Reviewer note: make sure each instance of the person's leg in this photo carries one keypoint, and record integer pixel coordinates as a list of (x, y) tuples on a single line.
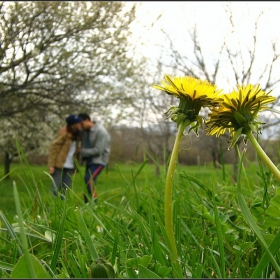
[(87, 179), (56, 183), (94, 176), (92, 172), (66, 180)]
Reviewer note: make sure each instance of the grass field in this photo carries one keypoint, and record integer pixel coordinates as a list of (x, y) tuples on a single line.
[(112, 181), (216, 236)]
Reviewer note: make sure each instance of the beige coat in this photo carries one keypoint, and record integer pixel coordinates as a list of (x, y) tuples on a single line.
[(59, 150)]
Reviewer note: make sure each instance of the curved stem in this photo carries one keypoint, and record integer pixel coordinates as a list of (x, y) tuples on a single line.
[(168, 202), (275, 171)]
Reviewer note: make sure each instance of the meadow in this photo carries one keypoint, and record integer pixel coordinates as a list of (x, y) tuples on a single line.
[(45, 237)]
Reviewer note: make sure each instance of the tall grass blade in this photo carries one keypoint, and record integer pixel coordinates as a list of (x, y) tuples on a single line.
[(86, 235), (58, 239), (220, 241), (265, 183), (274, 248), (115, 249), (158, 254), (177, 225), (198, 183), (6, 266), (12, 233), (250, 220), (135, 190), (29, 264), (23, 160), (218, 271), (153, 159), (223, 163), (6, 175), (81, 256), (49, 269), (65, 269), (74, 265), (140, 168)]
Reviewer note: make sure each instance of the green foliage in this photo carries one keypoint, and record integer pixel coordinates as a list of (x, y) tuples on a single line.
[(21, 268), (101, 269), (126, 228), (272, 218)]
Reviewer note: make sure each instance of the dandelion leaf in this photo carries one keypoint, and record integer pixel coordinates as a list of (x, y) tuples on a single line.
[(21, 268), (273, 212), (146, 273)]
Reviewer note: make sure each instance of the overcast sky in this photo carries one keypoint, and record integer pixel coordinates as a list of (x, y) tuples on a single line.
[(212, 25), (209, 16)]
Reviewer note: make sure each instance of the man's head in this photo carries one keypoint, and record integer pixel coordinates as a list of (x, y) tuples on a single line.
[(86, 122)]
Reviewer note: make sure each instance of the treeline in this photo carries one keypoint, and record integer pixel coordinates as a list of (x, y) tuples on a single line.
[(130, 144)]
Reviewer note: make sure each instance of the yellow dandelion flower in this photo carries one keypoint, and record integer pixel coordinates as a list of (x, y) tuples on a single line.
[(238, 113), (193, 94)]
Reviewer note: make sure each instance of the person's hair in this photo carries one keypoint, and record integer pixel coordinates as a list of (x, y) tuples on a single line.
[(84, 116), (75, 133)]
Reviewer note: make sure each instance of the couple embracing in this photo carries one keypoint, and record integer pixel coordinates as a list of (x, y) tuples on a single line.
[(82, 140)]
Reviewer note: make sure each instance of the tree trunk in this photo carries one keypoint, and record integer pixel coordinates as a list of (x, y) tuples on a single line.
[(216, 158), (216, 153), (157, 171), (7, 164)]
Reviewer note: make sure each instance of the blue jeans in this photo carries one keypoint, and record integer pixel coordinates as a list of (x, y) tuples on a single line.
[(92, 171), (61, 180)]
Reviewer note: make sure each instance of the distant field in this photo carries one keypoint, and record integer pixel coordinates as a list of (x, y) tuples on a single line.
[(112, 182)]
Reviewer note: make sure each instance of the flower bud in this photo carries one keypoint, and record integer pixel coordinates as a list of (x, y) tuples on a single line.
[(101, 269)]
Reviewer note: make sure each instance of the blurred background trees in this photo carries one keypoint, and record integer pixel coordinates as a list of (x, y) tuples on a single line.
[(58, 58)]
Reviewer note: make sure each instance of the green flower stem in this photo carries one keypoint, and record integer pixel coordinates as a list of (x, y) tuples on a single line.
[(275, 171), (177, 270)]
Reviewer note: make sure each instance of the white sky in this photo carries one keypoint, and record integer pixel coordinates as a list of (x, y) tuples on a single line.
[(212, 25), (177, 16)]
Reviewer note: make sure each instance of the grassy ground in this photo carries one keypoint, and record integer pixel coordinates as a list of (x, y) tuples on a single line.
[(111, 183), (126, 229)]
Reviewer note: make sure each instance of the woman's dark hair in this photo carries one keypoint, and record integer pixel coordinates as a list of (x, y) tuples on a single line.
[(75, 133)]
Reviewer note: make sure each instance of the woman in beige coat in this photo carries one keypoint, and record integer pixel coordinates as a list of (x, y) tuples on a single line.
[(63, 151)]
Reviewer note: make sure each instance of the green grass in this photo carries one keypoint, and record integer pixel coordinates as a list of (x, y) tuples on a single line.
[(112, 182), (214, 237), (30, 179)]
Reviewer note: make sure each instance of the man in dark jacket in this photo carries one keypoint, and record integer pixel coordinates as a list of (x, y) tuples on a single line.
[(95, 151)]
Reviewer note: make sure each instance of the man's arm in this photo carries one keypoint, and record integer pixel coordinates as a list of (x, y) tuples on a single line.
[(98, 148)]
